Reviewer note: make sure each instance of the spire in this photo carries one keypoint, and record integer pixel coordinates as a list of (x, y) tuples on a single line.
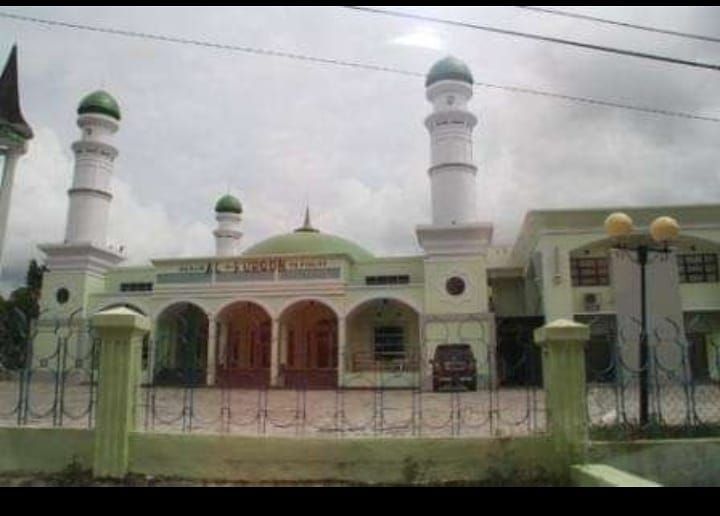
[(306, 227), (11, 118)]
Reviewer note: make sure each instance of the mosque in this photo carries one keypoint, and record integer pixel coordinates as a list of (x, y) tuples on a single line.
[(309, 308)]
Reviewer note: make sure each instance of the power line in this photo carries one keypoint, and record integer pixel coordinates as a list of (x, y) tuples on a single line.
[(351, 64), (579, 44), (619, 23)]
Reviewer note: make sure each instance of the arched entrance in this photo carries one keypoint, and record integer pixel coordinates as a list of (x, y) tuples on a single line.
[(181, 345), (383, 334), (309, 346), (245, 345)]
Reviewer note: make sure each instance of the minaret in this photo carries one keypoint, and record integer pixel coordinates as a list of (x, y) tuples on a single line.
[(452, 169), (228, 211), (14, 134), (90, 195), (77, 266)]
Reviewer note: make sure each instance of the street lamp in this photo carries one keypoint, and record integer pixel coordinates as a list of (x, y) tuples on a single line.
[(619, 226)]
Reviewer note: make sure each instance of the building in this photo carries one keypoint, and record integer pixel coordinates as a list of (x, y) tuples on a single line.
[(311, 309)]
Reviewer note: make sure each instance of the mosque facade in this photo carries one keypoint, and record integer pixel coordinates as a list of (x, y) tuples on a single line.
[(312, 309)]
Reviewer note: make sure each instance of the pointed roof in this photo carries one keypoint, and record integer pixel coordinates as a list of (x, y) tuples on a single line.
[(307, 227), (11, 117)]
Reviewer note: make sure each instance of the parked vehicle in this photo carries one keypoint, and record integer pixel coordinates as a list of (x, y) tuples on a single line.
[(454, 367)]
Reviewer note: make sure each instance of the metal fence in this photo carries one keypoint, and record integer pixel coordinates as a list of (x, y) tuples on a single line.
[(48, 383), (176, 397), (682, 392)]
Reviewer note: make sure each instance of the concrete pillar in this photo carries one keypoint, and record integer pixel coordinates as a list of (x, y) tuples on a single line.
[(563, 360), (211, 350), (223, 351), (121, 334), (556, 283), (712, 344), (342, 344), (8, 179), (275, 354)]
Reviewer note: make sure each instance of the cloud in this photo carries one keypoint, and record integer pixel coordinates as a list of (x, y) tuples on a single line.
[(278, 132)]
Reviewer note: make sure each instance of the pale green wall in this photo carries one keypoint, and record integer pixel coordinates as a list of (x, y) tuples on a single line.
[(475, 297), (375, 461), (508, 296), (35, 450)]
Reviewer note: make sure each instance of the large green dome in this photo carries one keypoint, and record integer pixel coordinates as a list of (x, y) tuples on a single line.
[(100, 102), (228, 204), (449, 69), (309, 243)]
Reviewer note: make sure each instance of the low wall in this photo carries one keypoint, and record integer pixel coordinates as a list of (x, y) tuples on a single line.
[(518, 461), (44, 450), (671, 462), (602, 475)]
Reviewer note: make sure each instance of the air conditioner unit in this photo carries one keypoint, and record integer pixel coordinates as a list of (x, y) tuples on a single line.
[(591, 302)]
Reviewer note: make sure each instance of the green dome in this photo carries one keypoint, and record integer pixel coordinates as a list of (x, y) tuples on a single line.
[(100, 102), (310, 243), (449, 69), (228, 204)]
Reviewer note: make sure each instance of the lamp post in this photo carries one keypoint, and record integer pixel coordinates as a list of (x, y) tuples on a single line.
[(619, 226)]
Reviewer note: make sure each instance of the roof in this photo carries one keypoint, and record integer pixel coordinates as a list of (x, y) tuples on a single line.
[(449, 69), (100, 102), (12, 123), (308, 240), (228, 204)]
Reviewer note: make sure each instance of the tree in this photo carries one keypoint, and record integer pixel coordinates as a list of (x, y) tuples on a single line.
[(17, 315)]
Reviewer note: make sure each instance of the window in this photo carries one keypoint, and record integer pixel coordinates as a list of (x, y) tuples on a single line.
[(135, 287), (589, 271), (698, 268), (402, 279), (389, 342)]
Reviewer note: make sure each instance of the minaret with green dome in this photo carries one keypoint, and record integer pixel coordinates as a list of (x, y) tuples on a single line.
[(228, 213), (90, 195)]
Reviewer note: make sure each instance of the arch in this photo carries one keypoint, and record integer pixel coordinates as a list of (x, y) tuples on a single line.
[(244, 344), (282, 312), (383, 334), (181, 347), (158, 311), (374, 297), (309, 344), (262, 304)]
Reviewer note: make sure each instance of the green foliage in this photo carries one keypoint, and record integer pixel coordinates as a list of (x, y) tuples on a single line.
[(17, 315)]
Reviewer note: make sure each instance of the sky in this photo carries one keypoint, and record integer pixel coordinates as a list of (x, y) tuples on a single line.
[(279, 133)]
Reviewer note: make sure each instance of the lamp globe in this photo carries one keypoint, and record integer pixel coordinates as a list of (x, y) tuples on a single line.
[(618, 225), (664, 229)]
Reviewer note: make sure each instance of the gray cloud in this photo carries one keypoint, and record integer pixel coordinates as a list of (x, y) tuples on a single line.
[(277, 132)]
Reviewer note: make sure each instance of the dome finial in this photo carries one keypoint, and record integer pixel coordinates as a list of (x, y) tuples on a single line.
[(307, 226), (449, 68)]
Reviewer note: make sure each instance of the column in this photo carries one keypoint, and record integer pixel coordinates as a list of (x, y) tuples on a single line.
[(556, 283), (8, 178), (275, 354), (342, 342), (211, 349), (121, 333), (563, 362)]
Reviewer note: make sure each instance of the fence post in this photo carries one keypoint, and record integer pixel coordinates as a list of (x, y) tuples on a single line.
[(563, 363), (121, 334)]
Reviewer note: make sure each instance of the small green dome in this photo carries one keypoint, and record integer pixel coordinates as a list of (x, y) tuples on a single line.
[(449, 69), (309, 243), (100, 102), (228, 204)]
